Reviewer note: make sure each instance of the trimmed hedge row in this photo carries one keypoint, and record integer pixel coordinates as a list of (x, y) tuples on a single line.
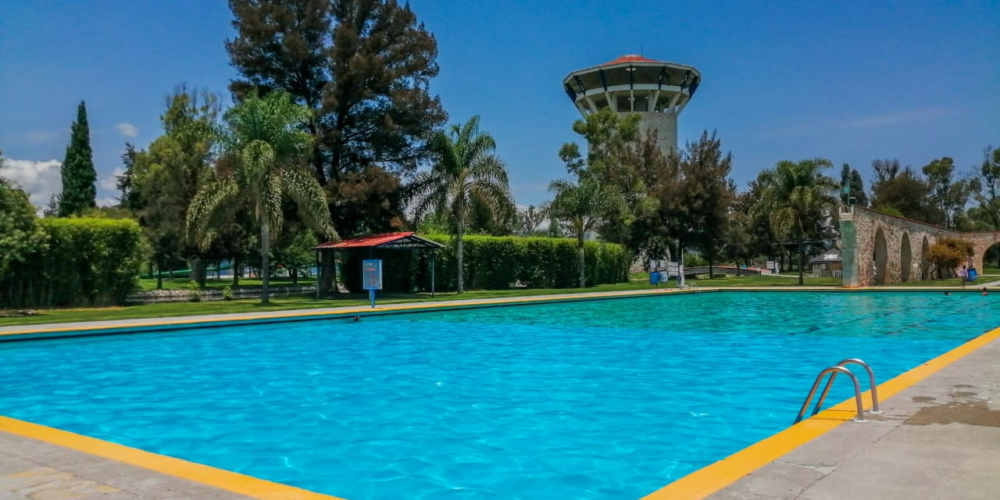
[(81, 262), (494, 263)]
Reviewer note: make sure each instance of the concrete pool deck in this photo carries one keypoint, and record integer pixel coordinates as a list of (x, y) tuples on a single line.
[(939, 437)]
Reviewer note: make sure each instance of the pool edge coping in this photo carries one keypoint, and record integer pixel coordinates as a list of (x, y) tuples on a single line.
[(174, 323), (714, 477)]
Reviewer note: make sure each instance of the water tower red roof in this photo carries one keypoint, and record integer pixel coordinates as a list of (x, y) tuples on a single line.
[(630, 58)]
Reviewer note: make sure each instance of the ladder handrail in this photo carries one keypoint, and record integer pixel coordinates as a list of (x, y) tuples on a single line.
[(819, 378), (871, 380)]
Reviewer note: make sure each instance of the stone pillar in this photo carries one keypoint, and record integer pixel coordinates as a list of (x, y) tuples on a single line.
[(849, 250)]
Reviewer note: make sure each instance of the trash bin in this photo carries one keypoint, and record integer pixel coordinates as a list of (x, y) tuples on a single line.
[(972, 275), (654, 278)]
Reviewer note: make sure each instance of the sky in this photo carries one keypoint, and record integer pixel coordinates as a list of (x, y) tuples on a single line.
[(849, 81)]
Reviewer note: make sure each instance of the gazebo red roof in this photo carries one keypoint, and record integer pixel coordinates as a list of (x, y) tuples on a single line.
[(630, 58), (386, 240)]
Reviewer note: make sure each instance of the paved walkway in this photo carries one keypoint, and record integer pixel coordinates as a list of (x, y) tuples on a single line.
[(319, 311), (939, 439), (33, 470)]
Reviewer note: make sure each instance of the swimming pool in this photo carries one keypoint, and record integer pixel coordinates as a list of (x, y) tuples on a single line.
[(597, 399)]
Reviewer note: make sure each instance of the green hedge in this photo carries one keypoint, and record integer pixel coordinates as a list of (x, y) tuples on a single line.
[(494, 263), (82, 262)]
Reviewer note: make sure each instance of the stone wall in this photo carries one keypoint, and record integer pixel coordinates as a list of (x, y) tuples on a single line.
[(154, 296), (874, 247)]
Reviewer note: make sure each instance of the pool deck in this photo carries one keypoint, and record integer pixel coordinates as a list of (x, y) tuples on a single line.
[(938, 439), (34, 470)]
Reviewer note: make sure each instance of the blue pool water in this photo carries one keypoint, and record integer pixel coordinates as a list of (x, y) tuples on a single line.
[(602, 399)]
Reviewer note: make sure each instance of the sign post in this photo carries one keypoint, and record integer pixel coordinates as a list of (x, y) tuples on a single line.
[(371, 270)]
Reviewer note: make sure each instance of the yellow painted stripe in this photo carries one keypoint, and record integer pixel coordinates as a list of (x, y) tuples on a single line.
[(226, 480), (708, 480), (303, 314)]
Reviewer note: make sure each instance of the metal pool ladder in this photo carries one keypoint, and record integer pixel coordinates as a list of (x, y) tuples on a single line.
[(834, 371)]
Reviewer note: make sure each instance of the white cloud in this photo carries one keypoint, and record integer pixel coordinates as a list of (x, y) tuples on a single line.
[(107, 202), (867, 122), (111, 182), (127, 129), (40, 179)]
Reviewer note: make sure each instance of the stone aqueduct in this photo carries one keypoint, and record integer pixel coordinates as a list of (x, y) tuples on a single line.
[(880, 249)]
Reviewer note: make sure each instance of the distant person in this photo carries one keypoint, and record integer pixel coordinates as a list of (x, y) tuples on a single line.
[(357, 319), (947, 293), (984, 291), (963, 274)]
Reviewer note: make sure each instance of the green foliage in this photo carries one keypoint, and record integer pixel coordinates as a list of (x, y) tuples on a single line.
[(262, 142), (852, 186), (947, 254), (797, 198), (902, 190), (362, 68), (581, 206), (948, 194), (227, 293), (78, 262), (194, 293), (467, 178), (19, 233), (79, 178), (984, 187), (495, 263)]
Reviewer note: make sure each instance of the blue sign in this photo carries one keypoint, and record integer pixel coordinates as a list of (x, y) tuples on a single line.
[(372, 274), (371, 277)]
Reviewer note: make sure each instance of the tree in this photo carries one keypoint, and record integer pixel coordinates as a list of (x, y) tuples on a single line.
[(263, 141), (164, 180), (530, 220), (79, 178), (581, 206), (949, 253), (796, 197), (622, 157), (129, 199), (984, 186), (19, 235), (467, 173), (852, 186), (906, 195), (362, 68), (949, 195), (885, 170)]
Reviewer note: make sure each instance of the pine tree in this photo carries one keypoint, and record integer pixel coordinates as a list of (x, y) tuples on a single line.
[(79, 178)]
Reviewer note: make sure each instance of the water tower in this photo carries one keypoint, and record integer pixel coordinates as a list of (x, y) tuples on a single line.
[(656, 90)]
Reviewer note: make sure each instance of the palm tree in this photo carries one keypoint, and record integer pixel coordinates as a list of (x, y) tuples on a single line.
[(467, 173), (581, 207), (263, 140), (798, 196)]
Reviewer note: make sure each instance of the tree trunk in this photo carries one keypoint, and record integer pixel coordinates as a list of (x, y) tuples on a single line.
[(460, 259), (265, 243), (802, 260), (711, 266), (159, 277), (236, 271), (294, 271)]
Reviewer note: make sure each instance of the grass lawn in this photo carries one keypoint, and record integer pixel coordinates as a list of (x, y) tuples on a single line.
[(185, 283), (174, 309), (950, 282)]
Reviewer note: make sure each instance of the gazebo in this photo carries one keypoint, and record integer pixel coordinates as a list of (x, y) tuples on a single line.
[(326, 252)]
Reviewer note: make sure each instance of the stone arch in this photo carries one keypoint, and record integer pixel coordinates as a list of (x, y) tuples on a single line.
[(925, 253), (991, 256), (881, 257), (905, 259)]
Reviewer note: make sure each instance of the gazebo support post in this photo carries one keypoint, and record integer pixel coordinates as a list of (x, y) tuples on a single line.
[(319, 274), (433, 277)]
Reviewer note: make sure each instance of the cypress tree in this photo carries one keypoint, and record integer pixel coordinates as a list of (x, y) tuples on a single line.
[(79, 178)]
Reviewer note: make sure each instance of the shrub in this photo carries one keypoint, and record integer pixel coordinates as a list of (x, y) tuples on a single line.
[(78, 262), (194, 293), (949, 253), (227, 293), (495, 263)]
